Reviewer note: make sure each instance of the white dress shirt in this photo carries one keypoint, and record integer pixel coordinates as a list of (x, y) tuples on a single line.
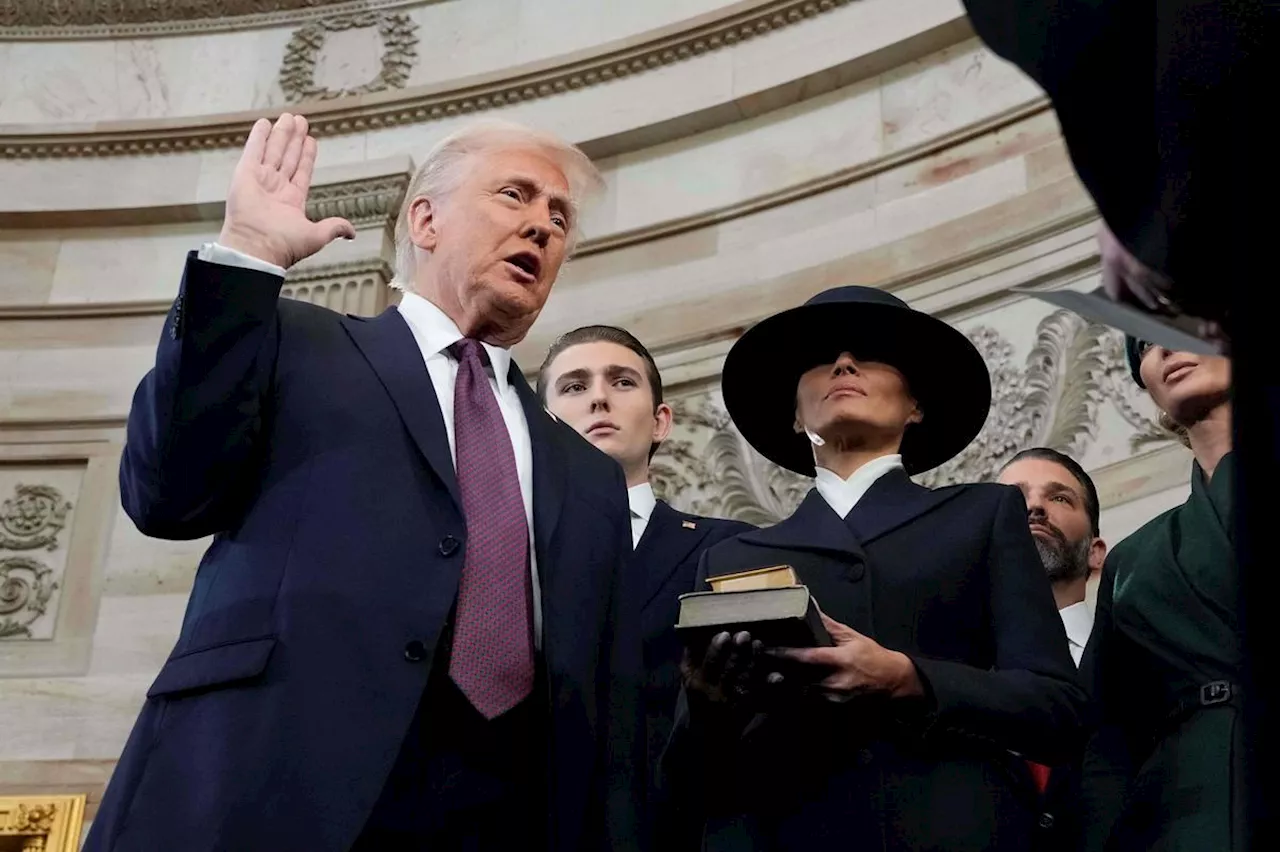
[(843, 494), (1078, 620), (640, 498), (435, 333)]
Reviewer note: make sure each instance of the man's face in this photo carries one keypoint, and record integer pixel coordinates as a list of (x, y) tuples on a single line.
[(1058, 517), (602, 389), (496, 242), (849, 394)]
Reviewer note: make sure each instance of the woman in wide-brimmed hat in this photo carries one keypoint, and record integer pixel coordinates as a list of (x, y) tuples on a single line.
[(950, 666), (1164, 662)]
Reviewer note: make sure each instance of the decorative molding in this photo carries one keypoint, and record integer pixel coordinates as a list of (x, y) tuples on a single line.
[(26, 586), (399, 52), (1053, 398), (61, 20), (357, 287), (32, 518), (344, 117), (41, 823), (367, 201)]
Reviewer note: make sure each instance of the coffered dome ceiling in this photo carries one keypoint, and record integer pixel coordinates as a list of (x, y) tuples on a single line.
[(47, 19)]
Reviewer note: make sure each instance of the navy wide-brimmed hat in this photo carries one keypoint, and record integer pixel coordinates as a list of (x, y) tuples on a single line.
[(944, 371)]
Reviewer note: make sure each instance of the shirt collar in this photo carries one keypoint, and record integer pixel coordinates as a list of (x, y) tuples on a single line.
[(1078, 621), (435, 332), (641, 499), (843, 494)]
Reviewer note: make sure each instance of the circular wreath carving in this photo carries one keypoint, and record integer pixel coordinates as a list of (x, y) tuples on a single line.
[(400, 51), (26, 586)]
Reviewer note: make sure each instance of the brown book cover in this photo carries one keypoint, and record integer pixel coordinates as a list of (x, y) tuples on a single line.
[(780, 617)]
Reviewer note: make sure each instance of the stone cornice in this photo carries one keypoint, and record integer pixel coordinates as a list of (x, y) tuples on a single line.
[(423, 104), (361, 202), (61, 20)]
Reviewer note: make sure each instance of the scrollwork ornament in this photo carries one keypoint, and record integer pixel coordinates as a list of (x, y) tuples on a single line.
[(32, 518), (400, 51), (26, 587)]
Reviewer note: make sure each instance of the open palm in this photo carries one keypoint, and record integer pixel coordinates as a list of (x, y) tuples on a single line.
[(266, 204)]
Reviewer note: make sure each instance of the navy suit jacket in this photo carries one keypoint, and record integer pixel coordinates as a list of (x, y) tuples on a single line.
[(951, 578), (312, 446), (668, 555)]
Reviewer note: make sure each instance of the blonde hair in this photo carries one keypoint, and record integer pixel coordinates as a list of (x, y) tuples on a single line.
[(444, 167)]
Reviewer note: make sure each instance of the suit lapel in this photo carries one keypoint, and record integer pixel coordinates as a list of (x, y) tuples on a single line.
[(664, 546), (389, 347), (893, 500), (813, 526), (549, 476)]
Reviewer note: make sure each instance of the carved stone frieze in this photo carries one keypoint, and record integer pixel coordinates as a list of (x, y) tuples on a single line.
[(32, 518), (362, 202), (1052, 398), (41, 823), (26, 587), (399, 52), (432, 105), (359, 287), (64, 19)]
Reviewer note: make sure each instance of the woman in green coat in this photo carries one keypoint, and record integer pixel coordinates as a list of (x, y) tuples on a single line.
[(1163, 769)]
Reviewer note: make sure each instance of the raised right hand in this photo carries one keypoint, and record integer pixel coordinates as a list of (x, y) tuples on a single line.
[(266, 204)]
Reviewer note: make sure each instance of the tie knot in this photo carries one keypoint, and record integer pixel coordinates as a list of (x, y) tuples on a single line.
[(468, 348)]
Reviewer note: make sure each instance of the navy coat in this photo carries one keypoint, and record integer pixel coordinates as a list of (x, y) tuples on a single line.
[(951, 578)]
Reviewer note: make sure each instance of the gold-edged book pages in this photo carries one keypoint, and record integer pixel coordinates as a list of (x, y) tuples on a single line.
[(773, 577), (38, 823)]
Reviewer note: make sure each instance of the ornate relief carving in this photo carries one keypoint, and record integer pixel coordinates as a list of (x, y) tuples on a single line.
[(433, 106), (399, 52), (63, 19), (26, 586), (41, 823), (362, 202), (1053, 398), (350, 288), (32, 518)]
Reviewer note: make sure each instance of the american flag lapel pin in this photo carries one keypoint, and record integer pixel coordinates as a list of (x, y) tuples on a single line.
[(689, 525)]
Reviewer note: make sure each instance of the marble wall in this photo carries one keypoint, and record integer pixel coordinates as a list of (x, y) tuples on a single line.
[(755, 153)]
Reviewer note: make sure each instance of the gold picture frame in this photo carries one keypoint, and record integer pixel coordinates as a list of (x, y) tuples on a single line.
[(41, 823)]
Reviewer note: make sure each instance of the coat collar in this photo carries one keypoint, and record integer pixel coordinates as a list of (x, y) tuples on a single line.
[(667, 542), (892, 501), (389, 347)]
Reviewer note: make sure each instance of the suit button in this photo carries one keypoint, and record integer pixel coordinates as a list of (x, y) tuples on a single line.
[(448, 545), (415, 651), (1046, 820)]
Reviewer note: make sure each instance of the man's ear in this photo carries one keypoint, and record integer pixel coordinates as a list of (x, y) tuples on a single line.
[(422, 224), (916, 416), (663, 420), (1097, 555)]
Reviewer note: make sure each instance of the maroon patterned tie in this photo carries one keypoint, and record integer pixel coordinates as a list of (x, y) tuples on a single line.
[(492, 658)]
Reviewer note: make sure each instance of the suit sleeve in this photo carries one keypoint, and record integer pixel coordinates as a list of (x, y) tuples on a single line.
[(1029, 702), (1108, 763), (193, 436)]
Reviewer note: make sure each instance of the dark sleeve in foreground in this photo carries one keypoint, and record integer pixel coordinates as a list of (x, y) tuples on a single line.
[(1158, 108)]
